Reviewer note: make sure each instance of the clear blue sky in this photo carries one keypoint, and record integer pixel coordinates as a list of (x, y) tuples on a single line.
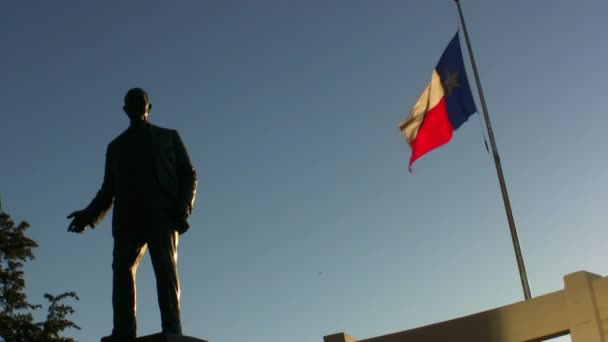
[(307, 221)]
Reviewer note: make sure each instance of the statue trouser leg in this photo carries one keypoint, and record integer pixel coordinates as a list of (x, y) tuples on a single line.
[(162, 243), (128, 251)]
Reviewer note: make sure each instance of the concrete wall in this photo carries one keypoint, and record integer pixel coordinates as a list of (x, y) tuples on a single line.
[(580, 309)]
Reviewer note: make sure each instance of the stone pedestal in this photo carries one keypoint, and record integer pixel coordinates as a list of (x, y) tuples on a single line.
[(166, 337)]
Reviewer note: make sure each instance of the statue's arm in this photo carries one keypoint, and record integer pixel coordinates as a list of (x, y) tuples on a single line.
[(102, 202), (186, 177)]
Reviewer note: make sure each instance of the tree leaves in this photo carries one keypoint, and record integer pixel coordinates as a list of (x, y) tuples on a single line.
[(16, 319)]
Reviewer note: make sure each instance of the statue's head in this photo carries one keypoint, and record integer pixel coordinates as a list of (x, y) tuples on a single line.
[(137, 106)]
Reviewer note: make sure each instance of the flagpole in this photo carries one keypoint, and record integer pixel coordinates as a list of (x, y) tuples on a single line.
[(501, 178)]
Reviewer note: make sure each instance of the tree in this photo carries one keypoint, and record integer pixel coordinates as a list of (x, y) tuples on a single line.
[(16, 319)]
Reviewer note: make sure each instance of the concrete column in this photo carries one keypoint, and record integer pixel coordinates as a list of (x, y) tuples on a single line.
[(341, 337), (583, 314)]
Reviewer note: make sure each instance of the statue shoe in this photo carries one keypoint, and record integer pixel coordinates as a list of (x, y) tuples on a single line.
[(114, 338)]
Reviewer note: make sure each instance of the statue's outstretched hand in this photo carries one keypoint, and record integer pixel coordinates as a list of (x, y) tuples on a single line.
[(80, 222)]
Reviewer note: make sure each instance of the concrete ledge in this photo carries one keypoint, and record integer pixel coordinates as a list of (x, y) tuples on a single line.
[(579, 309), (340, 337)]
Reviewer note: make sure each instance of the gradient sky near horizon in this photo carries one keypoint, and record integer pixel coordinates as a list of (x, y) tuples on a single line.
[(307, 221)]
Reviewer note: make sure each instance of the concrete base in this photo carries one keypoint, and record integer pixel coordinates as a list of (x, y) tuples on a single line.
[(165, 337)]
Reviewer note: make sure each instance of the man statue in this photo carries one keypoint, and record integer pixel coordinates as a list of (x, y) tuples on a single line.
[(151, 183)]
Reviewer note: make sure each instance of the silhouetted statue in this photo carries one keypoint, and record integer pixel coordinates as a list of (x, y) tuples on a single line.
[(152, 184)]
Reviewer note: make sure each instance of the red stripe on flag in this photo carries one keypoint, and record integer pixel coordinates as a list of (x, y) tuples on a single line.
[(434, 131)]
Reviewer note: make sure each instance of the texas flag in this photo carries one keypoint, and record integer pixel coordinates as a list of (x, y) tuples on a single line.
[(444, 105)]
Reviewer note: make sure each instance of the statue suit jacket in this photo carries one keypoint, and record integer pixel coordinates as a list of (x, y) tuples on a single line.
[(174, 173)]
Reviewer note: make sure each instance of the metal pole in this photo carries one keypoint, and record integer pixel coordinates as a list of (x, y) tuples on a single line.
[(501, 178)]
